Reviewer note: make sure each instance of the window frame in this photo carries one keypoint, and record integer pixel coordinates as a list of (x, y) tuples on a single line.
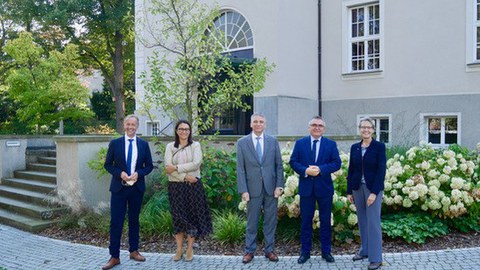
[(225, 43), (473, 41), (347, 39), (377, 118), (149, 127), (442, 115)]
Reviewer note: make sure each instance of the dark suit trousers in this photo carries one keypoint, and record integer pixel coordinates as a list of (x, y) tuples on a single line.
[(307, 210), (127, 198)]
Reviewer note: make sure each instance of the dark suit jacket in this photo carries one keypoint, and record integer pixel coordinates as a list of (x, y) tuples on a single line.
[(251, 172), (372, 166), (328, 161), (115, 163)]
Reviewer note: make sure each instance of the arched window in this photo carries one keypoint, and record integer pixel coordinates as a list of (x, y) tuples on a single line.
[(238, 36), (237, 44)]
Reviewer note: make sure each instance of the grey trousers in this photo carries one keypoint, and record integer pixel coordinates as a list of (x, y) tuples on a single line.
[(269, 204), (369, 223)]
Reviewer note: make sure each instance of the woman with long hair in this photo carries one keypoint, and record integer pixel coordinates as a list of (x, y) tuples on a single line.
[(188, 203)]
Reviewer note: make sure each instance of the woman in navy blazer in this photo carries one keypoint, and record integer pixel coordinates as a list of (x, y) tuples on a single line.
[(365, 184)]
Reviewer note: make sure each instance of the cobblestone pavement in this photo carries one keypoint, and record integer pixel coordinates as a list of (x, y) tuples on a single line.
[(22, 250)]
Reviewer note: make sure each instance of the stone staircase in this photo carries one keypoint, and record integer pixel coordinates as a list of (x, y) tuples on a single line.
[(26, 199)]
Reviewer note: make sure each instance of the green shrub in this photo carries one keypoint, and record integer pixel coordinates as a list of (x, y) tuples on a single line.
[(288, 229), (97, 164), (412, 227), (155, 218), (98, 222), (220, 178), (228, 227)]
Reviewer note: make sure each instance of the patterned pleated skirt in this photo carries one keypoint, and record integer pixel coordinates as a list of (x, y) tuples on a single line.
[(189, 209)]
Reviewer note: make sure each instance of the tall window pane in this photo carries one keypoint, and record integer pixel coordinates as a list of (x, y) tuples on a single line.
[(434, 130)]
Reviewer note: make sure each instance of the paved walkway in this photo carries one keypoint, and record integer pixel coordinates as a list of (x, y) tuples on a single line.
[(22, 250)]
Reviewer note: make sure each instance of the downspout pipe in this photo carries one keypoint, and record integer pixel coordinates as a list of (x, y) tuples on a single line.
[(320, 57)]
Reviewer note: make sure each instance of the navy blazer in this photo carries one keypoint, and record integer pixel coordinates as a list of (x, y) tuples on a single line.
[(115, 163), (372, 166), (328, 161)]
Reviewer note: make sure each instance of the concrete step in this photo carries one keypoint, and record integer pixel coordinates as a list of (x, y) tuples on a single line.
[(39, 167), (26, 195), (47, 160), (52, 153), (34, 175), (31, 210), (32, 185), (24, 222)]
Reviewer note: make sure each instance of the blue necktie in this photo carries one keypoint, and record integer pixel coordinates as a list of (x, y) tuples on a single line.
[(258, 149), (313, 153), (129, 157)]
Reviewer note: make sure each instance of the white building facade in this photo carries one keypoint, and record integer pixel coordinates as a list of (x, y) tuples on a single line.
[(413, 66)]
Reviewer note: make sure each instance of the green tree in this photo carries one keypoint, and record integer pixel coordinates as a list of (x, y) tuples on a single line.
[(190, 76), (104, 32), (46, 88)]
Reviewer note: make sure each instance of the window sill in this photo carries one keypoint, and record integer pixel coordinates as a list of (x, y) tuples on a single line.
[(363, 74)]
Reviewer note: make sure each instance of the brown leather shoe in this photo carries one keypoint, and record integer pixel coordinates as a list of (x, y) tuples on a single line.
[(248, 257), (135, 255), (271, 256), (111, 263)]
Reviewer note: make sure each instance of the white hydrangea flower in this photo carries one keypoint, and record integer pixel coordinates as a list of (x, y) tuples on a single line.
[(297, 199), (398, 185), (432, 173), (448, 154), (393, 193), (456, 195), (435, 183), (242, 206), (434, 205), (389, 200), (446, 201), (287, 191), (457, 183), (452, 162), (353, 208), (425, 165), (459, 156), (444, 178), (398, 199), (463, 167), (409, 183), (407, 203), (440, 161), (388, 186), (433, 191), (424, 207), (422, 190), (352, 219), (413, 195), (447, 170)]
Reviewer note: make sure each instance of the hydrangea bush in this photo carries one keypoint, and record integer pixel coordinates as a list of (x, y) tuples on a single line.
[(442, 182)]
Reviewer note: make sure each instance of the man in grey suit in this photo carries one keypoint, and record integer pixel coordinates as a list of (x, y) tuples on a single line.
[(260, 181)]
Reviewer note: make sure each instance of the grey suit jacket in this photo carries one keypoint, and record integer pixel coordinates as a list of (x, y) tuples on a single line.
[(252, 173)]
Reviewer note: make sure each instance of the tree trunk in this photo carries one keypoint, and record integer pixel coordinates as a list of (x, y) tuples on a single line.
[(117, 88)]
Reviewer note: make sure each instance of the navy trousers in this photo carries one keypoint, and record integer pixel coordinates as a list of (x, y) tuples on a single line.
[(307, 210)]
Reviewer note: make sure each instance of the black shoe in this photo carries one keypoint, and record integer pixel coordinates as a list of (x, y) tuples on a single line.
[(328, 257), (303, 258), (374, 265), (359, 257)]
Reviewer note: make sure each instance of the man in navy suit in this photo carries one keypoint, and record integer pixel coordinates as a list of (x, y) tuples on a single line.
[(128, 160), (314, 158)]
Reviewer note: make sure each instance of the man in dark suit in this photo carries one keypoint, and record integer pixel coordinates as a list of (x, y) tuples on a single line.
[(128, 160), (314, 158), (260, 181)]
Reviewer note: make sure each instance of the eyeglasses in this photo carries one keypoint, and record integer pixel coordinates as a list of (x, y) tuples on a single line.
[(365, 127), (317, 126), (183, 129)]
